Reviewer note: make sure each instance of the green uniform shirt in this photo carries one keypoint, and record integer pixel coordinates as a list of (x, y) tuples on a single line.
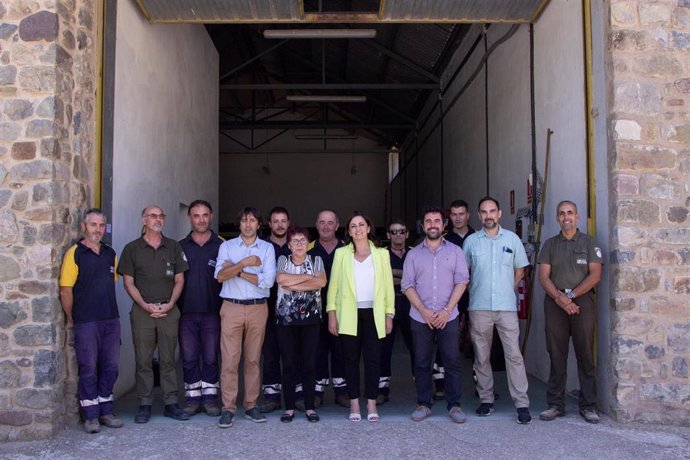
[(153, 270), (570, 259)]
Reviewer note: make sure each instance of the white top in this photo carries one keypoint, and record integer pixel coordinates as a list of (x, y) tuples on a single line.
[(364, 282)]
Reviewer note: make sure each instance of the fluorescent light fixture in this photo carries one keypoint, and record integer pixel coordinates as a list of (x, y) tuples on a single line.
[(319, 33), (324, 98), (316, 137)]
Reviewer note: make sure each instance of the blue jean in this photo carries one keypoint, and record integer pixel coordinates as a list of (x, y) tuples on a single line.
[(448, 342), (97, 346), (199, 335)]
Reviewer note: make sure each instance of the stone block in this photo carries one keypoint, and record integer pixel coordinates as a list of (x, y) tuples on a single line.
[(80, 169), (627, 346), (624, 14), (8, 227), (41, 128), (675, 392), (8, 75), (622, 257), (20, 200), (636, 280), (45, 368), (684, 255), (637, 98), (46, 108), (5, 196), (43, 309), (9, 131), (18, 109), (29, 235), (38, 78), (680, 134), (679, 338), (3, 173), (33, 335), (681, 285), (637, 212), (50, 148), (625, 393), (32, 170), (32, 287), (634, 326), (682, 85), (625, 184), (10, 375), (653, 13), (680, 40), (5, 401), (15, 417), (628, 130), (680, 367), (627, 368), (39, 255), (6, 30), (24, 362), (68, 40), (24, 151), (673, 235), (40, 26), (658, 66), (629, 40), (47, 192), (676, 214), (51, 233), (630, 236), (11, 313), (9, 269), (36, 399), (624, 304), (4, 344), (654, 351)]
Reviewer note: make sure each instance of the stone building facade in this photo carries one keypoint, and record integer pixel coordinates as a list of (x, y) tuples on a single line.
[(47, 123), (48, 83)]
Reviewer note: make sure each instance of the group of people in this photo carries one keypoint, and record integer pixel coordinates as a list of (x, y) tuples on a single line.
[(309, 312)]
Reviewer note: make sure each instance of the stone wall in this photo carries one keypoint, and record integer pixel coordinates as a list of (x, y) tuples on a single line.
[(650, 172), (47, 120)]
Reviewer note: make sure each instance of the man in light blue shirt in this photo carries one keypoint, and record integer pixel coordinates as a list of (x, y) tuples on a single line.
[(496, 258), (246, 266)]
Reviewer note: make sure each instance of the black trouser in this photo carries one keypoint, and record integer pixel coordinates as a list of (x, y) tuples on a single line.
[(270, 358), (298, 345), (329, 347), (367, 345), (559, 328), (400, 323)]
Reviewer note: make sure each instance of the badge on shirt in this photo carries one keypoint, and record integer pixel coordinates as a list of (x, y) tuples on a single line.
[(597, 251), (211, 263), (581, 261), (169, 270), (184, 257), (112, 270)]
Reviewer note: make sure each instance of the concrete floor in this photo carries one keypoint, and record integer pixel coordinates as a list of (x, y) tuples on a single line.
[(395, 436)]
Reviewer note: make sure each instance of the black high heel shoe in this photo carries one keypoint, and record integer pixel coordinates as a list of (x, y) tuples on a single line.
[(287, 418)]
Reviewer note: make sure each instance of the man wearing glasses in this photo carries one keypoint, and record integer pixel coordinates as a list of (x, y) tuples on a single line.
[(153, 267)]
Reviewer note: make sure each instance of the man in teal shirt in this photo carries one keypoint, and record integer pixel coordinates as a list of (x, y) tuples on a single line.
[(496, 258)]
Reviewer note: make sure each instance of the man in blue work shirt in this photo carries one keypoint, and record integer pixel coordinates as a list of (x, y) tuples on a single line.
[(199, 328), (496, 258)]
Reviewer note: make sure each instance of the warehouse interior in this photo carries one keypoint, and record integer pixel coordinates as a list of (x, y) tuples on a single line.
[(382, 106)]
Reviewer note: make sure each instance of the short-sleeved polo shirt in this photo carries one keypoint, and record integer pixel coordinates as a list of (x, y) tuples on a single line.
[(315, 249), (201, 293), (153, 270), (92, 278), (492, 263), (570, 258)]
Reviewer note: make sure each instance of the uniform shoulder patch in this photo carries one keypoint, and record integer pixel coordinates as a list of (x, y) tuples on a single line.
[(597, 251)]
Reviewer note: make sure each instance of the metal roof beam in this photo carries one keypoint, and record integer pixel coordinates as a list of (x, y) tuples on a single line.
[(296, 124), (328, 86)]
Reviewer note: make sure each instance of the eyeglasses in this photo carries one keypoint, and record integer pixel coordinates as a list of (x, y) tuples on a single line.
[(300, 242), (402, 231), (155, 216)]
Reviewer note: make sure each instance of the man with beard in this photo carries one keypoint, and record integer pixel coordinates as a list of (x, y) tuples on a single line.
[(246, 266), (569, 269), (497, 259), (153, 269), (278, 222), (434, 278), (199, 305), (327, 225), (87, 295)]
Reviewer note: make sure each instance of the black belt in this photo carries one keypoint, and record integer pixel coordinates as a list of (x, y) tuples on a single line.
[(247, 301)]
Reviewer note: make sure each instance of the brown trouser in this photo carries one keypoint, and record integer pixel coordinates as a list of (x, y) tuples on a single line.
[(242, 329)]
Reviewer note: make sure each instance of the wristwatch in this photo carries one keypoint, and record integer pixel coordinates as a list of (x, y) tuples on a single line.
[(570, 295)]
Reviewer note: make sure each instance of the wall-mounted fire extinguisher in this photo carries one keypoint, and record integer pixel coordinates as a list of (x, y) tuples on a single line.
[(523, 294)]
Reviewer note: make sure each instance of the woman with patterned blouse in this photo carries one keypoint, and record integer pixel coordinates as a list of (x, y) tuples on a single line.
[(300, 278)]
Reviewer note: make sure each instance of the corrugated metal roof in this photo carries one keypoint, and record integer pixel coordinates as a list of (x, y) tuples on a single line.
[(221, 11), (460, 10)]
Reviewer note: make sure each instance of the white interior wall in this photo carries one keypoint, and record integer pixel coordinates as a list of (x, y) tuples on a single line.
[(165, 135), (559, 102)]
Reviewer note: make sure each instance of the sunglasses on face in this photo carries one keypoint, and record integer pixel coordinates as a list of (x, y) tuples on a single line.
[(397, 232)]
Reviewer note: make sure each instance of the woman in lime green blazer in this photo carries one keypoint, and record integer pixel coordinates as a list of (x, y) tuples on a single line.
[(361, 307)]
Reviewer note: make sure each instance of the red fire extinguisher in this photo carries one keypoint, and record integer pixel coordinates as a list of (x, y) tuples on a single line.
[(523, 294)]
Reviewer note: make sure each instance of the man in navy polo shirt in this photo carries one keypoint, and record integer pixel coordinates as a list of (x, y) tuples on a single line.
[(199, 328), (87, 295)]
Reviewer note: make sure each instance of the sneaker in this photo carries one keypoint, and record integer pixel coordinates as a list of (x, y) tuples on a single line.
[(484, 409), (269, 405), (590, 415), (381, 399), (254, 415), (143, 414), (299, 405), (523, 417), (92, 426), (192, 409), (175, 412), (226, 419), (420, 413), (110, 421), (342, 401), (551, 413), (456, 414), (211, 409)]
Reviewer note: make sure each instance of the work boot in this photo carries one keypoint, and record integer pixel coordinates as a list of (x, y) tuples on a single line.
[(175, 412), (143, 415), (342, 400), (110, 421), (551, 413), (212, 409), (92, 426), (192, 409)]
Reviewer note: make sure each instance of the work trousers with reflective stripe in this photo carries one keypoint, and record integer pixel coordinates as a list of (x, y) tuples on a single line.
[(97, 348), (270, 363), (199, 335), (330, 365), (401, 323)]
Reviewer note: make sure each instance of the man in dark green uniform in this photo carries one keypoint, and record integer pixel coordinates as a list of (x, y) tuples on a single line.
[(570, 267), (153, 269)]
